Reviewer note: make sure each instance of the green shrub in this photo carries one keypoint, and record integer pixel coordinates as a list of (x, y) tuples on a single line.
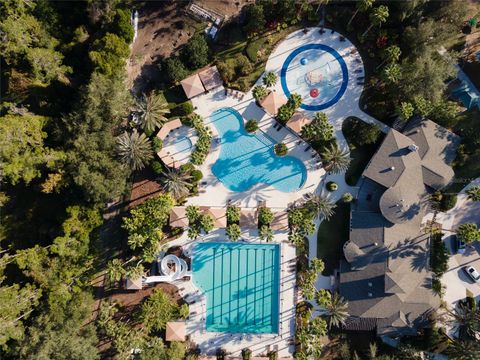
[(285, 112), (195, 53), (233, 214), (281, 149), (227, 69), (265, 217), (448, 201), (259, 92), (243, 65), (253, 48), (347, 197), (187, 168), (251, 125), (438, 255), (109, 54), (176, 232), (157, 167), (157, 144), (122, 26), (174, 69), (246, 354), (187, 108), (332, 186), (359, 132), (272, 355), (196, 175)]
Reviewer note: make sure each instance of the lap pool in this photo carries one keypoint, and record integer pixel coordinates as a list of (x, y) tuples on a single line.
[(248, 159), (241, 284)]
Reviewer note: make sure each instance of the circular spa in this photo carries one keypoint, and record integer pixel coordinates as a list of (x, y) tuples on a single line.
[(318, 73), (178, 143)]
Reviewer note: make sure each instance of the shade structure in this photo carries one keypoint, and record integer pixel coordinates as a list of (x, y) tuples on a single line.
[(248, 219), (178, 217), (210, 78), (298, 121), (272, 102), (192, 86), (167, 127), (280, 221), (134, 284), (219, 216), (175, 331)]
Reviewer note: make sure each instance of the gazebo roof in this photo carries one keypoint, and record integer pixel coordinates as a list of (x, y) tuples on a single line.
[(210, 78), (248, 219), (280, 220), (219, 216), (272, 102), (167, 127), (298, 121), (133, 284), (178, 217), (175, 331), (192, 86)]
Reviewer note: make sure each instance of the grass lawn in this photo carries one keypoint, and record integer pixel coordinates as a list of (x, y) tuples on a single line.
[(360, 157), (332, 234), (232, 43)]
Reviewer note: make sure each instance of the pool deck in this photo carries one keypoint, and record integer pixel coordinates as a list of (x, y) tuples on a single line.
[(234, 343), (215, 194)]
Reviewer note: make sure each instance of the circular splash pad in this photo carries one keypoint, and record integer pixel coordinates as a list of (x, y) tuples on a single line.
[(303, 61), (325, 71), (314, 92)]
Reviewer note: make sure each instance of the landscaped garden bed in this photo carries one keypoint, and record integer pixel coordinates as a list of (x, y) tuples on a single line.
[(331, 236)]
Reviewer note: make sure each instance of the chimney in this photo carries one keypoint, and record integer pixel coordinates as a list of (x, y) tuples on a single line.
[(413, 148)]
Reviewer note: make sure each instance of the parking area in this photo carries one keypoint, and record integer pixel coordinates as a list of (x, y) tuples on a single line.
[(456, 281)]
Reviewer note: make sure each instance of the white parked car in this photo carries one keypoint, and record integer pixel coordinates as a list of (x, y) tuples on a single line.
[(473, 273)]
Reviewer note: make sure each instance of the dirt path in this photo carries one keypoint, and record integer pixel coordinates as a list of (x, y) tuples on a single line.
[(163, 27)]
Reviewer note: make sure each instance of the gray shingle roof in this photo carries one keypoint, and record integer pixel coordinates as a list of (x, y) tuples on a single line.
[(386, 275)]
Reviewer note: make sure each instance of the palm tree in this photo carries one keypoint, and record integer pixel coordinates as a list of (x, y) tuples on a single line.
[(337, 159), (392, 73), (115, 270), (135, 271), (474, 193), (336, 310), (363, 6), (377, 17), (175, 181), (134, 149), (153, 109), (320, 205), (266, 233), (270, 79), (391, 55)]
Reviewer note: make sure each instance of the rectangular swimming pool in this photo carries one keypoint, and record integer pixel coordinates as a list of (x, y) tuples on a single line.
[(241, 283)]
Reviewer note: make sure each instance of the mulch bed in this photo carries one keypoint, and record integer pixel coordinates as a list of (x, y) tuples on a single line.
[(144, 187)]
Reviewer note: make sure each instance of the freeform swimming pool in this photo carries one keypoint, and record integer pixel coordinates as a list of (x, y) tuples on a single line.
[(318, 73), (241, 284), (248, 159)]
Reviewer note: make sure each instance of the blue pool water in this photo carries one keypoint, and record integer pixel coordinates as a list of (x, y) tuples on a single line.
[(248, 159), (241, 283), (315, 67), (183, 145)]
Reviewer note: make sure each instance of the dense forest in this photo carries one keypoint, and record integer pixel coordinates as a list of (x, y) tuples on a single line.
[(63, 102)]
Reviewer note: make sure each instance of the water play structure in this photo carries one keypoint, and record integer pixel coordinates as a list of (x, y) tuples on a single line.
[(172, 268)]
